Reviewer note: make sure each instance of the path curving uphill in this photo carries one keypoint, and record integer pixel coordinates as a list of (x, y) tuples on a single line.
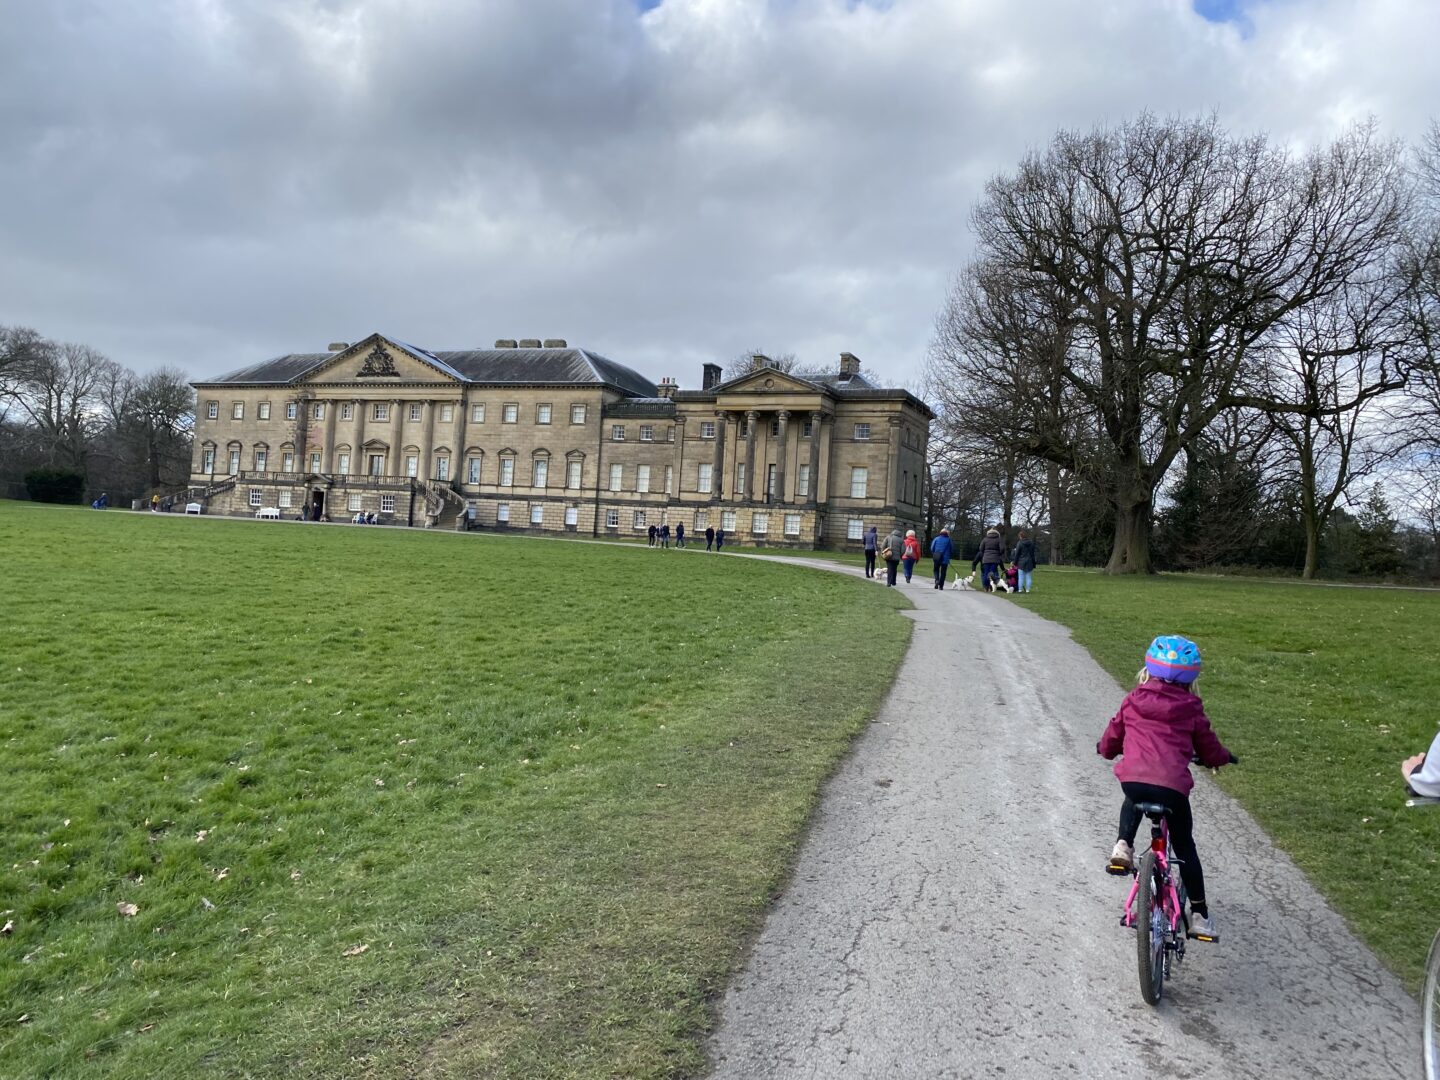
[(949, 915)]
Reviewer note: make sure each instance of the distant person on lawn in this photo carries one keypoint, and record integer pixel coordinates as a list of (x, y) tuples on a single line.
[(910, 555), (991, 557), (680, 534), (1024, 560), (719, 539), (709, 537)]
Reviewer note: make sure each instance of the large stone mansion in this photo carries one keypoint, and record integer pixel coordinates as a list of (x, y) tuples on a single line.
[(548, 437)]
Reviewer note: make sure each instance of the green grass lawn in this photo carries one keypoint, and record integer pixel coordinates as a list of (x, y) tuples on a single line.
[(1322, 692), (393, 803)]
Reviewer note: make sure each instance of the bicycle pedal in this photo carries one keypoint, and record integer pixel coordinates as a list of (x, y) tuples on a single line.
[(1118, 871)]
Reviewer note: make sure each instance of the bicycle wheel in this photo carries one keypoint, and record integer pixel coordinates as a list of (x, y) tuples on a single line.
[(1430, 1012), (1150, 930)]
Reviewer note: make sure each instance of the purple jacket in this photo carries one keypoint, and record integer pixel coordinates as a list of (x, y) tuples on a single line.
[(1158, 727)]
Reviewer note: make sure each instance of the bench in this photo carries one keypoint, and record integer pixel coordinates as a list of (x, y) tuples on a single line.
[(194, 508), (270, 512)]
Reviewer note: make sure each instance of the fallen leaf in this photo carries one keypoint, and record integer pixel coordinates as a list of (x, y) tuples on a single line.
[(24, 1018), (206, 904), (200, 836), (221, 875), (355, 950), (126, 909), (9, 927)]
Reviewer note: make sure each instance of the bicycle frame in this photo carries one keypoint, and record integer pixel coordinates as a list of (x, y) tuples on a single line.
[(1170, 895)]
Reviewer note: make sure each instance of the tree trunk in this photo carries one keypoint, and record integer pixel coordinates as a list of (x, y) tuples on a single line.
[(1131, 553), (1309, 509), (1056, 498)]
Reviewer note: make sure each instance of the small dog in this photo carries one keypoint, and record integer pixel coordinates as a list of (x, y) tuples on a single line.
[(964, 584), (1000, 585)]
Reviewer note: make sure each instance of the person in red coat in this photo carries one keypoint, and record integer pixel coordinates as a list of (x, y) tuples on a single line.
[(1161, 725)]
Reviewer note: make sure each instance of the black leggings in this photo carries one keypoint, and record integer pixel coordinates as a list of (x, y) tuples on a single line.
[(1182, 831), (869, 562)]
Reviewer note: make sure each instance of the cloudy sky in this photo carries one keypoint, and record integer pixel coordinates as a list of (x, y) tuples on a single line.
[(207, 183)]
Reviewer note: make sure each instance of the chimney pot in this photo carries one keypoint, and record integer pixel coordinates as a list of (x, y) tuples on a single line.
[(667, 387)]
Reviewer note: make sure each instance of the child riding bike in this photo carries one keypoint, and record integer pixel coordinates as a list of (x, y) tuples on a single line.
[(1160, 727)]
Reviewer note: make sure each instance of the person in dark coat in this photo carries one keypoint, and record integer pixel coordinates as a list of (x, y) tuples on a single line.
[(651, 533), (709, 537), (680, 534), (871, 544), (665, 536), (719, 539), (1024, 559), (940, 551), (991, 557)]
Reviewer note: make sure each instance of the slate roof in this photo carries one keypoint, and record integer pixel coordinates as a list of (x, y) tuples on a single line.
[(527, 367)]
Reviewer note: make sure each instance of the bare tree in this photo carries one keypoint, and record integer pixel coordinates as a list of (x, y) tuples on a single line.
[(163, 408), (1163, 255), (58, 389)]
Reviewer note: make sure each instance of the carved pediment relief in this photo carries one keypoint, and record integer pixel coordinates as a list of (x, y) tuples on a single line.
[(377, 362), (768, 381)]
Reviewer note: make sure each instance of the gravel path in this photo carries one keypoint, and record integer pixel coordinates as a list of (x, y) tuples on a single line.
[(949, 915)]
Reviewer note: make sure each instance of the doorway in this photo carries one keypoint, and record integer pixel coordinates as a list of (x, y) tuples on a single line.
[(317, 505)]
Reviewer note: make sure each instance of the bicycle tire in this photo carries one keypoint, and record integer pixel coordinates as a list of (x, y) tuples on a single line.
[(1150, 930), (1430, 1012)]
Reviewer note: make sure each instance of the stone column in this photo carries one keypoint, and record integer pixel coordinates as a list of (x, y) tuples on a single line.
[(822, 477), (427, 416), (458, 454), (397, 436), (332, 407), (717, 479), (750, 425), (302, 435), (357, 444), (892, 469), (784, 417), (678, 459), (816, 420)]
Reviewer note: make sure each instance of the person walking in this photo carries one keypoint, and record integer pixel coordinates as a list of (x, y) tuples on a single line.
[(1024, 559), (651, 534), (720, 538), (910, 554), (709, 537), (940, 551), (894, 546), (871, 544), (991, 557), (665, 537), (679, 534)]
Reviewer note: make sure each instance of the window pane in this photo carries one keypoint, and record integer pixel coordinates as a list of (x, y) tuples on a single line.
[(255, 497), (727, 520), (647, 432), (577, 414), (537, 514), (612, 519), (855, 529), (803, 484), (290, 410), (760, 523), (447, 414), (472, 470), (792, 524), (511, 413), (702, 476), (415, 412), (572, 474), (212, 410), (639, 519), (442, 468), (707, 429), (642, 478), (315, 461), (237, 410), (617, 432), (507, 471), (387, 504), (616, 476), (477, 414), (862, 431), (542, 473), (502, 512), (352, 503), (344, 464), (542, 414), (859, 482), (412, 464), (282, 499)]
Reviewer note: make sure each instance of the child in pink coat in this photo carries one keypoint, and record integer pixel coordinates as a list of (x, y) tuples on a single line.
[(1161, 725)]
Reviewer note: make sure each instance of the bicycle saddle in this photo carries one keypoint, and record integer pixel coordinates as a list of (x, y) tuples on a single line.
[(1153, 809)]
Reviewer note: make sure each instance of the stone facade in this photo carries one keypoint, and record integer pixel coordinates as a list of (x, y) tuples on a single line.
[(558, 439)]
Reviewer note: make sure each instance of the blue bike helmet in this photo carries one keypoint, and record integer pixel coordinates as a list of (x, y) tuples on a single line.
[(1173, 657)]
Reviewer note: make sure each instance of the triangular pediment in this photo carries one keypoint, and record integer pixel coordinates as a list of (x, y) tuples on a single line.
[(379, 361), (768, 381)]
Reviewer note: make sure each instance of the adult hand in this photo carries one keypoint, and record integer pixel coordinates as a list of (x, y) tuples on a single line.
[(1410, 764)]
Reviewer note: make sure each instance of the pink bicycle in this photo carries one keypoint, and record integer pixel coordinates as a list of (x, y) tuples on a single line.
[(1156, 907)]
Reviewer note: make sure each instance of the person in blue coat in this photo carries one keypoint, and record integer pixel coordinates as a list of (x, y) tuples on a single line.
[(940, 551)]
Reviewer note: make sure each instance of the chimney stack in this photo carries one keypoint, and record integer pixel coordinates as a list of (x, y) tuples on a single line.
[(337, 346), (505, 343), (760, 360), (711, 377), (555, 343), (529, 343), (667, 387), (849, 366)]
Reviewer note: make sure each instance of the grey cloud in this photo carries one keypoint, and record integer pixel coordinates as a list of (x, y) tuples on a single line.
[(206, 182)]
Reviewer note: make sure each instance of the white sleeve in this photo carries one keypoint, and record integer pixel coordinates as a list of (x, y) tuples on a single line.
[(1426, 779)]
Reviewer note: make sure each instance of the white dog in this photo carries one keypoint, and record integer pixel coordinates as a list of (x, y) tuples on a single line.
[(964, 583)]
